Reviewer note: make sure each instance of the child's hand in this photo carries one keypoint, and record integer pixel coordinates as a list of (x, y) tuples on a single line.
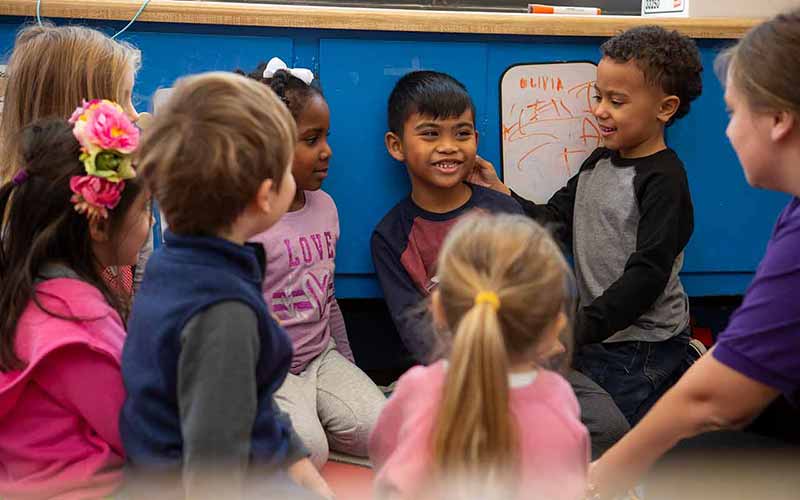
[(306, 475), (483, 174)]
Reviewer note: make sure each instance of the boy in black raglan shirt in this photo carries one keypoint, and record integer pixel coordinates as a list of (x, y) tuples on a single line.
[(627, 217)]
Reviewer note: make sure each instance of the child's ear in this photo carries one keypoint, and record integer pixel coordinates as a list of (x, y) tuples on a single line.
[(668, 107), (783, 123), (395, 146), (477, 136), (264, 197), (99, 230)]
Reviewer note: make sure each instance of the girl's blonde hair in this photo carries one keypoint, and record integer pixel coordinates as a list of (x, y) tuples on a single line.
[(763, 66), (516, 259), (51, 70)]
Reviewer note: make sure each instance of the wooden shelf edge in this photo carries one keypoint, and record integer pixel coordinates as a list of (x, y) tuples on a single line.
[(367, 19)]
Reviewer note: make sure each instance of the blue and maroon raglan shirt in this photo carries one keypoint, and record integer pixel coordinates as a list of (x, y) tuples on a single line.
[(405, 246)]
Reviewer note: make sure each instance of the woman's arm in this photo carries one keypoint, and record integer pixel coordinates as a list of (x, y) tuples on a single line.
[(710, 396)]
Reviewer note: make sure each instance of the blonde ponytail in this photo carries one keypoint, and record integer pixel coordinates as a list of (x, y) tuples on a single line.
[(474, 429)]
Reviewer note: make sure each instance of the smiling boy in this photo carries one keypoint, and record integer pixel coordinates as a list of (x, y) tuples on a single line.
[(432, 131)]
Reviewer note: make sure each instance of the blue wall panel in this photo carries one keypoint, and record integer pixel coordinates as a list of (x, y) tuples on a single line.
[(732, 220), (168, 56), (358, 70)]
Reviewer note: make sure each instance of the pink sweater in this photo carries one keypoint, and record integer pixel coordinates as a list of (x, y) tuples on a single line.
[(298, 286), (59, 436), (554, 444)]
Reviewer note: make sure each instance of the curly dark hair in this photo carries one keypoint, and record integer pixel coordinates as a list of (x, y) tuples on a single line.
[(294, 92), (668, 59)]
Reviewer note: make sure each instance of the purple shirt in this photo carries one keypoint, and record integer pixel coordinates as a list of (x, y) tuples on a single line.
[(298, 285), (762, 340)]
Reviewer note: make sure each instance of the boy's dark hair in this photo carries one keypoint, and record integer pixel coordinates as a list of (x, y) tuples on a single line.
[(204, 157), (42, 226), (668, 59), (293, 91), (428, 93)]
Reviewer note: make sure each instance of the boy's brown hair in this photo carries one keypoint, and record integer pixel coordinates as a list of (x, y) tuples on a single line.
[(207, 152)]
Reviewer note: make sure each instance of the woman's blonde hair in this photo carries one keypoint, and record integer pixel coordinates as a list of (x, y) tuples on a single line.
[(765, 65), (51, 70), (515, 259)]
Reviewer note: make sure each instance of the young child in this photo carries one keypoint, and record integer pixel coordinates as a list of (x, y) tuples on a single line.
[(329, 399), (51, 70), (203, 356), (489, 422), (756, 360), (72, 208), (627, 216), (431, 130)]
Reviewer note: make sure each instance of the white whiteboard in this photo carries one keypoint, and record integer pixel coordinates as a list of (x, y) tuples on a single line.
[(547, 125)]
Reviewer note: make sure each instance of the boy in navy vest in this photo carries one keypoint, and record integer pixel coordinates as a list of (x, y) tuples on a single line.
[(203, 356)]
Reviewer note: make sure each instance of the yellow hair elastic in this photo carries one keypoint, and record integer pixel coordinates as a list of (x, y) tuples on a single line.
[(490, 298)]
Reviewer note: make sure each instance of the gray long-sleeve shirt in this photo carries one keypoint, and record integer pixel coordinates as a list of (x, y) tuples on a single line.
[(217, 398)]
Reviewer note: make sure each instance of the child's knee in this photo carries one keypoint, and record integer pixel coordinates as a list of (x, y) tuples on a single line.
[(349, 423)]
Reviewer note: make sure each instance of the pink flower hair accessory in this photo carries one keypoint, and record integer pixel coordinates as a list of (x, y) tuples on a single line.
[(107, 138), (95, 196)]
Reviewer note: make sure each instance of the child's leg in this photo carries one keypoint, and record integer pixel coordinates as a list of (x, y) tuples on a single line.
[(348, 402), (298, 398), (633, 373), (666, 364), (599, 413)]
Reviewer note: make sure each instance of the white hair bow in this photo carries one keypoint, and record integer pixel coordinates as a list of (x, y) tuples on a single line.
[(276, 64)]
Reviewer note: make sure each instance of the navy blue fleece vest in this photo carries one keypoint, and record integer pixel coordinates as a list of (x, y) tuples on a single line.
[(185, 276)]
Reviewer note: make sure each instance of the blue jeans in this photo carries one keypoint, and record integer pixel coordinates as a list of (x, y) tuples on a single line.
[(635, 373)]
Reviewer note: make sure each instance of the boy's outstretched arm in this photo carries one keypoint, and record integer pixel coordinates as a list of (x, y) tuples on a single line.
[(557, 213), (404, 301), (665, 226)]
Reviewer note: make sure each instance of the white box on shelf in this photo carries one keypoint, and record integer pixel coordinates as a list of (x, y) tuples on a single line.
[(672, 8), (716, 8)]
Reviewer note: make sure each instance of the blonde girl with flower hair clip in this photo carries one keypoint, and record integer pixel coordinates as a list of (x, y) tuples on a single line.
[(332, 403), (490, 421), (51, 70), (72, 210)]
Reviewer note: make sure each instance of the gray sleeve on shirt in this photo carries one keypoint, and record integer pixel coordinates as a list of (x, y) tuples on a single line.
[(217, 397)]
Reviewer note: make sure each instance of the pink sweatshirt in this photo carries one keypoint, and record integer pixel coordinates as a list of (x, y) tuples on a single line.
[(298, 287), (554, 444), (59, 436)]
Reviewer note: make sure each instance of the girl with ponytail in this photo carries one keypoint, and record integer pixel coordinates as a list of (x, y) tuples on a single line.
[(490, 420)]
